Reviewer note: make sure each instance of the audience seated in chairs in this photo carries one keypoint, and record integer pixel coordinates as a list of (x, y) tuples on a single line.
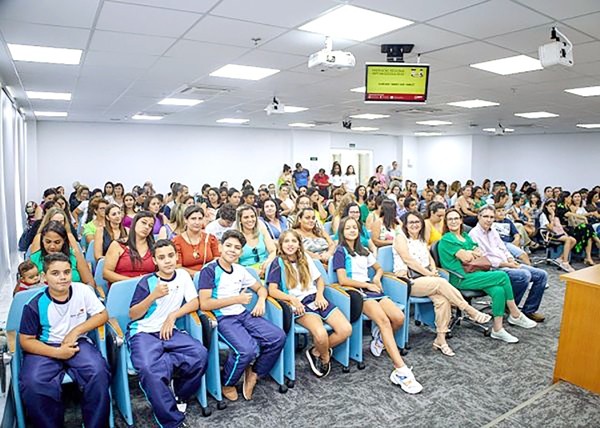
[(455, 248), (195, 247), (550, 224), (259, 249), (412, 260), (134, 257), (316, 242), (111, 230)]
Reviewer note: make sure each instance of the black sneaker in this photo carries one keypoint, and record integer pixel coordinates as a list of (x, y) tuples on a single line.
[(324, 368), (314, 362)]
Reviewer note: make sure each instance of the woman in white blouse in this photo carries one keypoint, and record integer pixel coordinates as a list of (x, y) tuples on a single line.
[(412, 259), (350, 179)]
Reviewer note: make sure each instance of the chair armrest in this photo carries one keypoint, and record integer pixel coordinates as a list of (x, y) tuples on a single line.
[(395, 288), (11, 341), (100, 292), (456, 274), (193, 325), (274, 312), (338, 297), (114, 328)]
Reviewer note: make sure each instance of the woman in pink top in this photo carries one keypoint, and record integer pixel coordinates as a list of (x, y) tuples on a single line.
[(381, 177)]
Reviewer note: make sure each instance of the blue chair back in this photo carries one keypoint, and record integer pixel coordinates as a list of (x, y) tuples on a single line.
[(385, 258), (99, 278), (118, 301), (90, 257), (327, 228), (323, 272), (19, 301)]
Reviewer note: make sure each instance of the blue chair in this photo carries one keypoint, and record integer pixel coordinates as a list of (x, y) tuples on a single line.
[(83, 244), (214, 380), (341, 353), (90, 257), (393, 288), (117, 304), (423, 306), (101, 283), (327, 228), (13, 323)]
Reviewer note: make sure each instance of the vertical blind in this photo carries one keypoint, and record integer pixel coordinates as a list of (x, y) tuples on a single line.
[(12, 182)]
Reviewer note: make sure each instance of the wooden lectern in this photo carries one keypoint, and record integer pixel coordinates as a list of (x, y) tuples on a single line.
[(578, 357)]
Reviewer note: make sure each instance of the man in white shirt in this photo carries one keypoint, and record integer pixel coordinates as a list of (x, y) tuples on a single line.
[(224, 222)]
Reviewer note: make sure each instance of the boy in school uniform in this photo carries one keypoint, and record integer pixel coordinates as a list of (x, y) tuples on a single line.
[(158, 349), (222, 290), (53, 337)]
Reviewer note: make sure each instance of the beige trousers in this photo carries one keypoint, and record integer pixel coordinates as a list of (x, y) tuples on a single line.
[(443, 295)]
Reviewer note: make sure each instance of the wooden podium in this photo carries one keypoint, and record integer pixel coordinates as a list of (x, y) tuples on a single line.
[(578, 356)]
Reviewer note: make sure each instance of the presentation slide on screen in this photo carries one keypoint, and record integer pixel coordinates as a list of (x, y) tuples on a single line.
[(396, 82)]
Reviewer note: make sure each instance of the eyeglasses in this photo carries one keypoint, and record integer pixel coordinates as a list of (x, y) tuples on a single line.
[(414, 222), (256, 256), (453, 219)]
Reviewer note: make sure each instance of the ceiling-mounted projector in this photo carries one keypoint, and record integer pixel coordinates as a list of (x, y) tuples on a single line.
[(558, 52), (329, 59)]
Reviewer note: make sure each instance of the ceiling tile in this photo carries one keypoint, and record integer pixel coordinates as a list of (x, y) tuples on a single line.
[(415, 11), (130, 18), (110, 41), (287, 14), (55, 12), (589, 24), (303, 43), (44, 35), (529, 40), (261, 58), (503, 16), (562, 9), (184, 5), (469, 53), (232, 32), (119, 59), (424, 37)]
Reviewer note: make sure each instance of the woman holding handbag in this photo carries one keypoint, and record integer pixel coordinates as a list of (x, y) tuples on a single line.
[(456, 249), (413, 260)]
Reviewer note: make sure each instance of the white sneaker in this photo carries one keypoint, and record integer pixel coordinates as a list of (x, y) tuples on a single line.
[(377, 346), (522, 321), (181, 405), (404, 377), (504, 336)]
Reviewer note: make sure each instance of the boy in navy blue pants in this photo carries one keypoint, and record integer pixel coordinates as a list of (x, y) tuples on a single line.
[(158, 349), (248, 334), (53, 337)]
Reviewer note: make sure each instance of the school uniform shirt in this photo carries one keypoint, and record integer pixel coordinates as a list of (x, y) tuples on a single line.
[(215, 228), (226, 284), (357, 267), (180, 286), (50, 320), (276, 275), (506, 229)]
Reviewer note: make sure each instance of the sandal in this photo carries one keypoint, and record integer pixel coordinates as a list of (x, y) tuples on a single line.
[(444, 349), (480, 317), (589, 262)]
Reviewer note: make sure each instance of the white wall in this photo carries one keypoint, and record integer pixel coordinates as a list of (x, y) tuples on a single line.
[(134, 153), (410, 163), (444, 158), (569, 160), (480, 158)]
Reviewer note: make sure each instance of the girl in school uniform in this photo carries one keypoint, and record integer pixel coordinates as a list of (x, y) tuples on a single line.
[(351, 262), (294, 278)]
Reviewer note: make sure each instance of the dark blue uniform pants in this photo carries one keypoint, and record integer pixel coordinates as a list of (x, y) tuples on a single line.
[(156, 360), (41, 387)]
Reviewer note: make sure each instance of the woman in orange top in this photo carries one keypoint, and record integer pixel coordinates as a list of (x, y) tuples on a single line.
[(195, 247)]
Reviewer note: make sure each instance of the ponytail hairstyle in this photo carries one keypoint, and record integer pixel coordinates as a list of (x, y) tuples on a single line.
[(301, 260)]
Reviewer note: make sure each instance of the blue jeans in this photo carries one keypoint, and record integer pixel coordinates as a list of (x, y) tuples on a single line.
[(520, 279)]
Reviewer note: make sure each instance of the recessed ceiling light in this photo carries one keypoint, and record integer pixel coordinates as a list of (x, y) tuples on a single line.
[(361, 89), (354, 23), (233, 121), (427, 134), (473, 104), (246, 72), (588, 125), (434, 122), (50, 113), (510, 65), (364, 128), (590, 91), (36, 95), (369, 116), (146, 117), (294, 109), (494, 129), (45, 54), (536, 115), (186, 102), (301, 125)]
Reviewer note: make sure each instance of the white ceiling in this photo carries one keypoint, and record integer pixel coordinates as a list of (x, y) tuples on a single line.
[(137, 52)]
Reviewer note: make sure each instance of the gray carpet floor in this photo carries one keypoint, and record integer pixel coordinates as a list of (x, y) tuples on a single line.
[(485, 380)]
